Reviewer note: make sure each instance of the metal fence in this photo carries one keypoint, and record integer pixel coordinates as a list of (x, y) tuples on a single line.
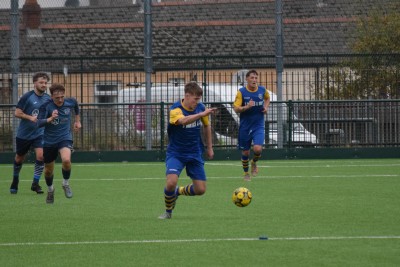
[(122, 127), (305, 77), (329, 100)]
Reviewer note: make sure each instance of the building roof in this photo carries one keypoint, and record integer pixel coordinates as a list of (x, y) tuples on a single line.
[(193, 28)]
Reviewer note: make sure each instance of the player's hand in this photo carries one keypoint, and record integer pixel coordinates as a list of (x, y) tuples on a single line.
[(77, 126), (210, 153), (209, 110), (54, 115), (264, 110), (33, 119)]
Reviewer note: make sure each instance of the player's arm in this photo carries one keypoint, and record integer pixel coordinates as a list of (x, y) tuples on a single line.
[(77, 123), (177, 117), (19, 113), (237, 104), (43, 118), (208, 136), (267, 101)]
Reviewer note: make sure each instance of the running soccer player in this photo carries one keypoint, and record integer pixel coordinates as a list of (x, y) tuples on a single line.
[(185, 147), (55, 116), (28, 134), (251, 103)]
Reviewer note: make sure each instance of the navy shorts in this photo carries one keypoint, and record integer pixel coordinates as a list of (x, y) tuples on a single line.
[(245, 139), (50, 154), (194, 167), (23, 145)]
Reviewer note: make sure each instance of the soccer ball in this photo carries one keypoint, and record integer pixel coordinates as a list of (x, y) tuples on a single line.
[(241, 197)]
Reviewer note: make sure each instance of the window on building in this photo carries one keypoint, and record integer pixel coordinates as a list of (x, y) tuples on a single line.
[(106, 92)]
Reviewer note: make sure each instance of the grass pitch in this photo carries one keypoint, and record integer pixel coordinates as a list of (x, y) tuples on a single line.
[(314, 213)]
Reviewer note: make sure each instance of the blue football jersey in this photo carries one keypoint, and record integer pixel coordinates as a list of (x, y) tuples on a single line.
[(252, 118), (185, 139), (59, 129), (30, 104)]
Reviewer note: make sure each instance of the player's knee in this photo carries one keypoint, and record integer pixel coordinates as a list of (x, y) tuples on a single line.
[(66, 164), (257, 150), (19, 159), (48, 172), (172, 181), (199, 190), (246, 153)]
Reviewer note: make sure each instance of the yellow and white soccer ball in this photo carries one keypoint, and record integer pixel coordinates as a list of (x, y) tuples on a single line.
[(241, 197)]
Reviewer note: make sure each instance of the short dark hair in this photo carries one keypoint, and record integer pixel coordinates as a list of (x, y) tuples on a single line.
[(193, 88), (56, 87), (38, 75), (250, 72)]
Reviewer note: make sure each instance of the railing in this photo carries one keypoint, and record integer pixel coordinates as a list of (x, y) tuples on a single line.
[(305, 77), (122, 127)]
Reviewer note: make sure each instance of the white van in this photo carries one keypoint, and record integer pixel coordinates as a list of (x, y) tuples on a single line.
[(225, 121)]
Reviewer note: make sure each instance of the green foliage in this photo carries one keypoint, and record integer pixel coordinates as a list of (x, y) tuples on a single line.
[(379, 33), (375, 71)]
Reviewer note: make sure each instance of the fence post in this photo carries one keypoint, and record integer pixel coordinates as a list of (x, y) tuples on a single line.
[(327, 77), (279, 65), (148, 66), (162, 126), (82, 99), (205, 79), (290, 121), (14, 61)]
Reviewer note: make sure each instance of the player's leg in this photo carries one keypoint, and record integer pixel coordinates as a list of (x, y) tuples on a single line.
[(245, 164), (50, 155), (258, 140), (39, 165), (173, 169), (65, 154), (200, 187), (244, 144), (195, 170), (22, 148)]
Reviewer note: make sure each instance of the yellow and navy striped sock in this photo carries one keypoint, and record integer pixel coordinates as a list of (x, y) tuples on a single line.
[(256, 157), (187, 190), (170, 200), (245, 164)]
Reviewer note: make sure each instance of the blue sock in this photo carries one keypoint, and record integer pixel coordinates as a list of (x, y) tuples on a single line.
[(39, 166), (17, 169)]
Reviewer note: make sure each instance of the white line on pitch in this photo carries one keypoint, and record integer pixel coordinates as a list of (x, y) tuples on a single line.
[(330, 164), (198, 240), (222, 177)]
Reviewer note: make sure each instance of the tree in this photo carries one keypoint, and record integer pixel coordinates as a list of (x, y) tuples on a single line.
[(375, 71)]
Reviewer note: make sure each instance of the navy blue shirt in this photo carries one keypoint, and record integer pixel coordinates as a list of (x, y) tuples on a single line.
[(30, 104), (59, 129)]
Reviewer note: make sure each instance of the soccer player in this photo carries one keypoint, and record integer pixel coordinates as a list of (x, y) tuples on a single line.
[(185, 147), (28, 134), (55, 116), (251, 103)]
